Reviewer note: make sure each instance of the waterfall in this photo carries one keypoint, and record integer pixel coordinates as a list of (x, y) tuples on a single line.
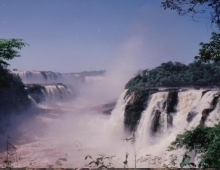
[(49, 92), (188, 103), (191, 103), (214, 116), (157, 105), (39, 76), (57, 92), (190, 106), (154, 134), (49, 77), (117, 116)]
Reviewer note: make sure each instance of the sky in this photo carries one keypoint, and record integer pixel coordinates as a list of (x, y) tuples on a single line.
[(84, 35)]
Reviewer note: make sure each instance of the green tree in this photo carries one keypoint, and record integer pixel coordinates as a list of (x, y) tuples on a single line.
[(13, 99), (177, 75), (193, 7), (7, 49), (205, 141), (210, 51), (7, 52)]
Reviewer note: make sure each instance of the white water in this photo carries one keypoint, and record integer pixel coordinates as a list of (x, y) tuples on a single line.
[(143, 131), (116, 122), (189, 101), (73, 129), (49, 77), (79, 130), (57, 92)]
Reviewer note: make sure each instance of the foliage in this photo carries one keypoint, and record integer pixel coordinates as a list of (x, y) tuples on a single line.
[(186, 161), (210, 51), (37, 92), (15, 97), (8, 52), (177, 75), (126, 160), (102, 161), (183, 7), (205, 141), (7, 49), (59, 162), (3, 83), (172, 162), (151, 160)]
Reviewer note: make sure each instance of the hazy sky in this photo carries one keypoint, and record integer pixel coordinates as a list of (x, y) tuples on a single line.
[(78, 35)]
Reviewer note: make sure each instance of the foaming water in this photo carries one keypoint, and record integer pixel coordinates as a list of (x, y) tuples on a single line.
[(75, 129), (190, 101), (143, 131)]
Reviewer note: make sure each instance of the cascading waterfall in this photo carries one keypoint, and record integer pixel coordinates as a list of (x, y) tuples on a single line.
[(156, 106), (39, 76), (214, 116), (117, 115), (96, 133), (187, 103), (57, 92), (49, 77), (49, 93), (153, 134)]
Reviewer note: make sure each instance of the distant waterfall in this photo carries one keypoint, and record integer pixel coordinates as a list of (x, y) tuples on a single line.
[(49, 77), (57, 92), (49, 93)]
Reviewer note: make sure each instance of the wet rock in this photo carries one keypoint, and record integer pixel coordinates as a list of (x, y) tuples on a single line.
[(172, 101), (190, 116), (215, 100), (169, 120), (135, 106), (205, 114), (156, 121), (204, 92)]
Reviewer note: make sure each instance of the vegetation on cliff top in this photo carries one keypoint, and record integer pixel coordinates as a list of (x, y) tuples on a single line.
[(176, 74)]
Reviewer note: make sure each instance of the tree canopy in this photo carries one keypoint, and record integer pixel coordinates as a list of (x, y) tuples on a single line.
[(177, 75), (210, 52), (194, 7), (205, 141), (8, 49), (7, 52)]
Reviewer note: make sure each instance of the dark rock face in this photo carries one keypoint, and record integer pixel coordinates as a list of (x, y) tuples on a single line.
[(172, 101), (169, 107), (135, 106), (204, 92), (190, 116), (215, 100), (36, 92), (156, 121), (205, 114), (138, 103)]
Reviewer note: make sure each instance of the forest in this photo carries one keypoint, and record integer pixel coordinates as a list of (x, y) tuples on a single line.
[(176, 74)]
